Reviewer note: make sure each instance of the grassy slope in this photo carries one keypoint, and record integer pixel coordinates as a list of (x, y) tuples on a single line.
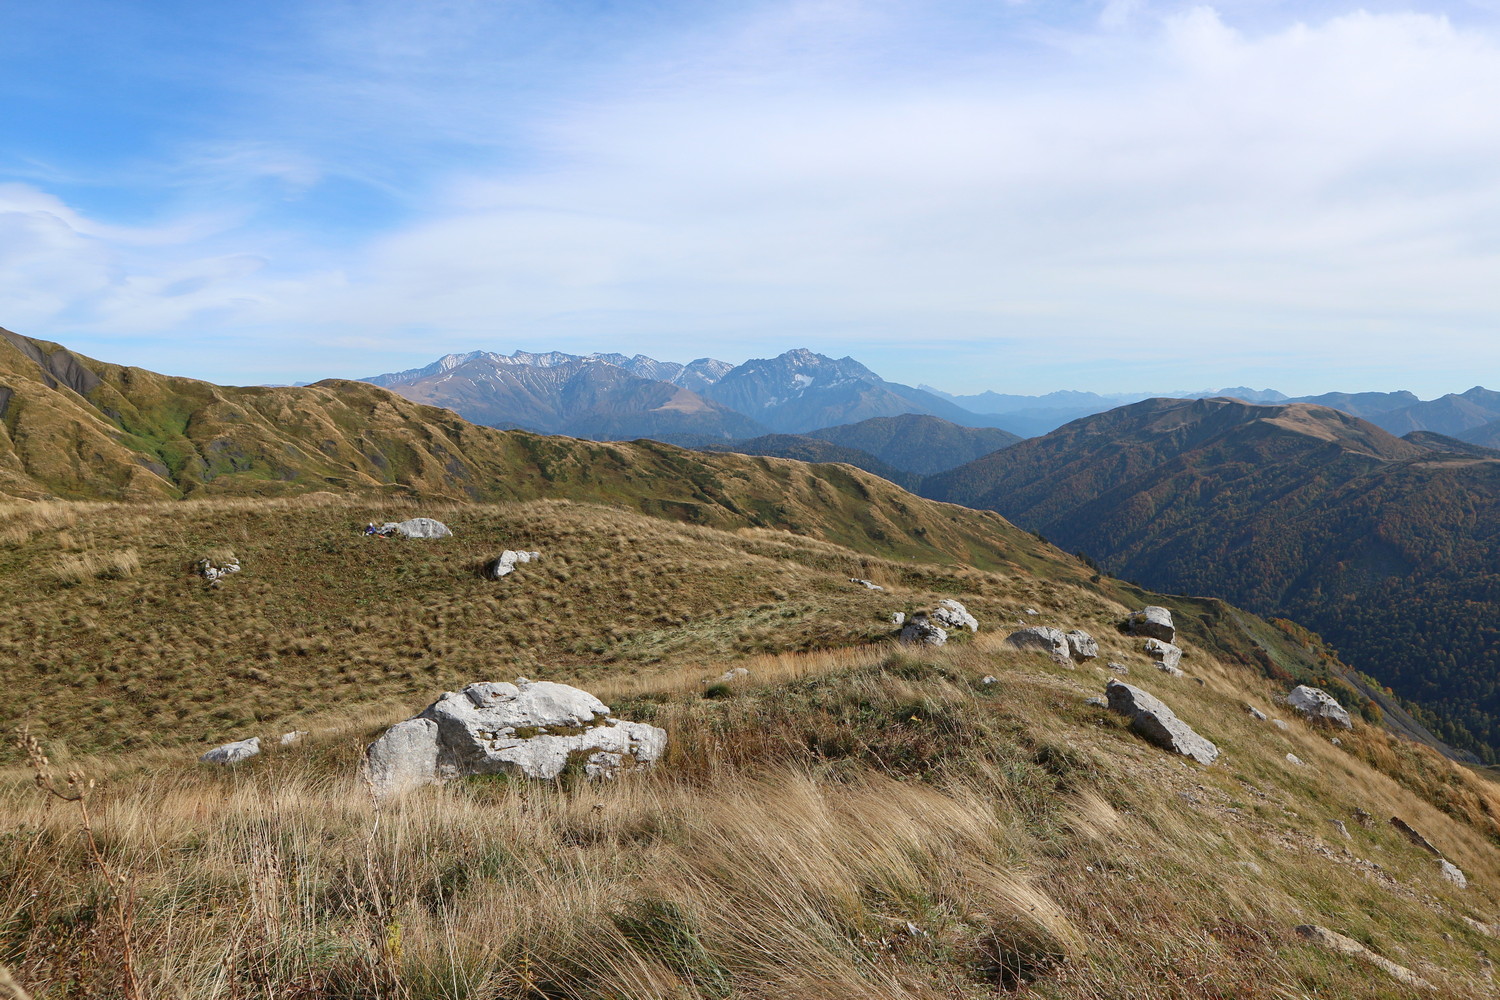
[(848, 821), (1388, 550), (138, 435)]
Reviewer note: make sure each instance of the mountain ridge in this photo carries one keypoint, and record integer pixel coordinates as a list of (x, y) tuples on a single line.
[(1387, 547)]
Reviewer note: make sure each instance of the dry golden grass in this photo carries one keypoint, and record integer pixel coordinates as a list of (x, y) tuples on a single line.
[(843, 823), (846, 820)]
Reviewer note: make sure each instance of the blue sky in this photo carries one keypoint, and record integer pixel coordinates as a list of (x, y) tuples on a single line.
[(975, 195)]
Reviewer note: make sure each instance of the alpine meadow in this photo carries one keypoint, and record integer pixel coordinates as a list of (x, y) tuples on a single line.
[(771, 500)]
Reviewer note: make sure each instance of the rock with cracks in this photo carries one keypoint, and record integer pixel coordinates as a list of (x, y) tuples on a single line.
[(417, 527), (531, 729), (507, 561), (1166, 655), (1152, 621), (951, 614), (1044, 637), (1318, 705), (1157, 723), (1081, 645), (233, 753), (921, 631)]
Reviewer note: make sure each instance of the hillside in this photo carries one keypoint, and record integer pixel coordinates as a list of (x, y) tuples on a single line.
[(82, 429), (806, 448), (918, 443), (1386, 548), (845, 819)]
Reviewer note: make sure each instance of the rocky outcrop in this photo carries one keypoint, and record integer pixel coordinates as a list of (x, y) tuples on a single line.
[(951, 614), (233, 753), (1158, 724), (532, 729), (866, 583), (1081, 646), (417, 527), (1152, 621), (1044, 637), (1415, 837), (1318, 706), (506, 562), (1337, 943), (921, 631), (214, 569), (1453, 874), (1166, 655)]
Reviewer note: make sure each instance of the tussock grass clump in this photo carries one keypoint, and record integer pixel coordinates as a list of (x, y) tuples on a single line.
[(76, 567)]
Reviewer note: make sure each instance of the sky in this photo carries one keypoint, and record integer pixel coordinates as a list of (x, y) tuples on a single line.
[(973, 194)]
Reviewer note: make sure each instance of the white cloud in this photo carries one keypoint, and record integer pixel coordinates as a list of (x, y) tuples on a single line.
[(1269, 197)]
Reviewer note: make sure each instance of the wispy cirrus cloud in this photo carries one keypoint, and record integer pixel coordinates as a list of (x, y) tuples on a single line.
[(1119, 197)]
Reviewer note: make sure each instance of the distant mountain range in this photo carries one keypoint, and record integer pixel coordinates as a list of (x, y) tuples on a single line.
[(1472, 416), (614, 397), (1390, 547)]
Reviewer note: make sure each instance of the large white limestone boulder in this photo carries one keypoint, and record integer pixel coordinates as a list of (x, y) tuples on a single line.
[(1044, 637), (951, 614), (1152, 719), (417, 527), (533, 729), (508, 560), (1152, 621), (1318, 705), (233, 753)]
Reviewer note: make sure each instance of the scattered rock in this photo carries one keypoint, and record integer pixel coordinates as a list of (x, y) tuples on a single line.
[(1339, 824), (1096, 701), (951, 614), (918, 631), (1119, 668), (1363, 818), (733, 674), (1488, 930), (898, 618), (1347, 946), (293, 737), (988, 679), (866, 584), (507, 561), (215, 569), (1317, 704), (1279, 724), (233, 753), (417, 527), (1045, 638), (1256, 713), (1081, 645), (529, 728), (1415, 837), (1292, 758), (1032, 611), (1152, 621), (1166, 655), (1335, 741), (1200, 682), (1158, 723), (1451, 872)]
